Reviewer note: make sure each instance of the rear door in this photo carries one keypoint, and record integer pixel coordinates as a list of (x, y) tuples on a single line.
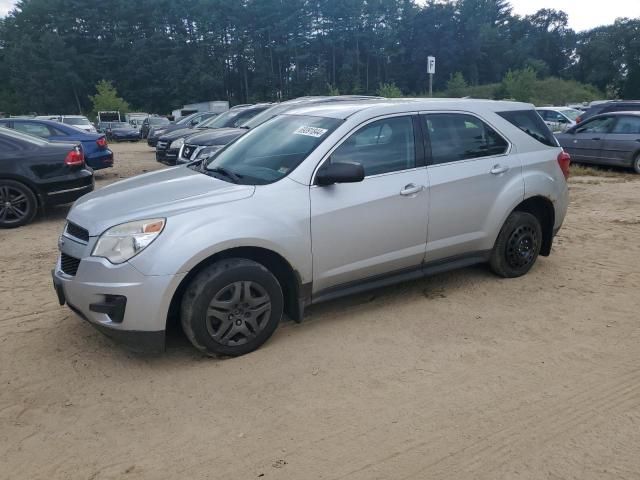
[(622, 144), (470, 165), (586, 141)]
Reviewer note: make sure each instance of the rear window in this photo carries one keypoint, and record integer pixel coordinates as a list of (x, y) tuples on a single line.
[(532, 124)]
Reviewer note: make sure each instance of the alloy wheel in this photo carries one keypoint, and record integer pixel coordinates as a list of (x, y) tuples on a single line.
[(14, 205)]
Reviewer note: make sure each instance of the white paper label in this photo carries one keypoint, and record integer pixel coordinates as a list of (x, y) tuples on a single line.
[(310, 131)]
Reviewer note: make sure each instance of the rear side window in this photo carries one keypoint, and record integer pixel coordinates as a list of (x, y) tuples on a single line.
[(532, 124), (455, 137), (627, 126)]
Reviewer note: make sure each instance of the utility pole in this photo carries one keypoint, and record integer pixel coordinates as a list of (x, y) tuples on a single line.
[(431, 70)]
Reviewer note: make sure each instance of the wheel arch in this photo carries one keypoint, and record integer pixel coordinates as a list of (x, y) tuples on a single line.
[(295, 293), (27, 183), (541, 208)]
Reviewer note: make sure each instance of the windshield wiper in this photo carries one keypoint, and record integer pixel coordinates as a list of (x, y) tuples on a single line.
[(227, 173)]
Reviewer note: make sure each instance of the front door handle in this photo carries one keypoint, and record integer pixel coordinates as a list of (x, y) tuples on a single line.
[(499, 169), (411, 189)]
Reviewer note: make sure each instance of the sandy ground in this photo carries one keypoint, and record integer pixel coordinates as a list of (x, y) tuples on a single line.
[(461, 376)]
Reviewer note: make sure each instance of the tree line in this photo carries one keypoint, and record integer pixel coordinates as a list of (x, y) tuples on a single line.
[(160, 54)]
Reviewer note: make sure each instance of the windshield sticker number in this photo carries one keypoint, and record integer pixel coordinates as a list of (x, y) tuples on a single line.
[(310, 131)]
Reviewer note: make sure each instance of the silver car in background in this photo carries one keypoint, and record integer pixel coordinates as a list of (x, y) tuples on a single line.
[(320, 202)]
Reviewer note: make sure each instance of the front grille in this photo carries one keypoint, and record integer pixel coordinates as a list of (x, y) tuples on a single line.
[(69, 264), (162, 145), (189, 151), (77, 232)]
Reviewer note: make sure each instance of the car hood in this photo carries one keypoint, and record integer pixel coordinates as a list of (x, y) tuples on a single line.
[(158, 194), (176, 134), (216, 136), (124, 130)]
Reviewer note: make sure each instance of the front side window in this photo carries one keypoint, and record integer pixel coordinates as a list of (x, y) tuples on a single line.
[(454, 137), (597, 125), (627, 126), (271, 151), (383, 146)]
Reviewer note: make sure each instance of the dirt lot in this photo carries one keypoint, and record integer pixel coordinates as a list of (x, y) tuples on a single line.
[(461, 376)]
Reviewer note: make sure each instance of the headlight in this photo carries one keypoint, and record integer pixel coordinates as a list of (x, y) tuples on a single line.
[(209, 152), (123, 242), (177, 143)]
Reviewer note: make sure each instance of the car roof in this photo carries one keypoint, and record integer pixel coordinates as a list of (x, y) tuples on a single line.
[(618, 114), (343, 110), (52, 123), (555, 109)]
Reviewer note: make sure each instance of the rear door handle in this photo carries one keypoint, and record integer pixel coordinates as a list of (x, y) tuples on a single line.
[(499, 169), (411, 189)]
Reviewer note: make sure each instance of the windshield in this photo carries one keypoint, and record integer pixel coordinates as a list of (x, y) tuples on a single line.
[(272, 151), (23, 136), (159, 121), (267, 114), (231, 118), (119, 125), (184, 120), (75, 121), (571, 114)]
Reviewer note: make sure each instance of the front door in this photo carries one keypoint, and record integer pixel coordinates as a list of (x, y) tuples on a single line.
[(471, 172), (378, 226), (586, 141)]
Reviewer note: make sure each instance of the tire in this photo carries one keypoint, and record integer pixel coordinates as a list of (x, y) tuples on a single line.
[(636, 164), (18, 204), (518, 245), (232, 307)]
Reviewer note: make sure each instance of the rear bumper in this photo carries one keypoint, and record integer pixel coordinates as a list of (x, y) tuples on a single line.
[(100, 160)]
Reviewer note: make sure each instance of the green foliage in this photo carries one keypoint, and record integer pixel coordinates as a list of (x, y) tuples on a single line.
[(518, 85), (160, 54), (107, 99), (332, 91), (389, 90), (457, 85)]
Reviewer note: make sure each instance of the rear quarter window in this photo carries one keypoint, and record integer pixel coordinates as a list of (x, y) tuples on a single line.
[(532, 124)]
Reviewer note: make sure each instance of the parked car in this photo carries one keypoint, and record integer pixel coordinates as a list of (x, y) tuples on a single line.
[(122, 132), (559, 119), (611, 139), (78, 121), (150, 122), (597, 108), (205, 144), (359, 181), (169, 144), (94, 145), (185, 122), (35, 173)]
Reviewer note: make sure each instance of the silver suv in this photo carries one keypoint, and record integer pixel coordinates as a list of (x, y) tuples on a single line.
[(320, 202)]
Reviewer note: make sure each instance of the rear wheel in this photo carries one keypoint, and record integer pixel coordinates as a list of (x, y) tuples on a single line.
[(232, 307), (18, 204), (636, 164), (517, 246)]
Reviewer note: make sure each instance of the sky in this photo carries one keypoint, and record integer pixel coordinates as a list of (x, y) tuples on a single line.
[(583, 14)]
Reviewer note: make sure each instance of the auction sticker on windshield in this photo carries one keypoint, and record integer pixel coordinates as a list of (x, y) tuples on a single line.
[(310, 131)]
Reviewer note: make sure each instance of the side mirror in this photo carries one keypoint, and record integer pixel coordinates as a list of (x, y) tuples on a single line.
[(341, 172)]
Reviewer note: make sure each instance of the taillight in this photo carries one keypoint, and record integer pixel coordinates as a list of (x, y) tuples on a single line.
[(564, 160), (74, 158), (102, 142)]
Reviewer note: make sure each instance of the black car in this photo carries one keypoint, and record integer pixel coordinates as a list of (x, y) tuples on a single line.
[(200, 146), (169, 144), (609, 107), (189, 121), (122, 132), (151, 122), (35, 173)]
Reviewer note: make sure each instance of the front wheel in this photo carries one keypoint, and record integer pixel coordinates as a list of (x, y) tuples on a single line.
[(517, 246), (232, 307)]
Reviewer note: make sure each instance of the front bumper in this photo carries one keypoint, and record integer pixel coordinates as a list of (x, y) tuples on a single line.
[(168, 156), (140, 324)]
